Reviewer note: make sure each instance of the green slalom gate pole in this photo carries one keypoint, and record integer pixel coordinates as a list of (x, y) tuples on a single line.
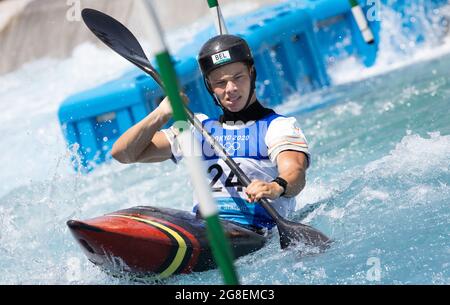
[(361, 21), (219, 21), (219, 243)]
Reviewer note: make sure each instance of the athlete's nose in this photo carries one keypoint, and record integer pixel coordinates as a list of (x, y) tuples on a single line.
[(231, 87)]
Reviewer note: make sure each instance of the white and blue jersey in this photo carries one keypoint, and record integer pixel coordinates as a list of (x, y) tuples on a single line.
[(254, 146)]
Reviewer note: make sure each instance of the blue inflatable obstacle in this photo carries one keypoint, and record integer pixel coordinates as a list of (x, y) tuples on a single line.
[(293, 44), (92, 121), (338, 34)]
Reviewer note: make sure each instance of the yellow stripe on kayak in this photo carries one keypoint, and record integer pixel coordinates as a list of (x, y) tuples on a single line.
[(181, 252)]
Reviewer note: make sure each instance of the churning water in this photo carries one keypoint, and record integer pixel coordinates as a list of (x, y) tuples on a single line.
[(379, 183)]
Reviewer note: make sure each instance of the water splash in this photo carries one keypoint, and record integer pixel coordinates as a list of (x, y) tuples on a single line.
[(398, 46), (378, 183)]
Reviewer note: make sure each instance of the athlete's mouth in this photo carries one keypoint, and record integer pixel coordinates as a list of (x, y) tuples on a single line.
[(234, 99)]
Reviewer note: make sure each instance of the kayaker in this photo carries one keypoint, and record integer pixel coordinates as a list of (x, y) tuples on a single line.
[(270, 148)]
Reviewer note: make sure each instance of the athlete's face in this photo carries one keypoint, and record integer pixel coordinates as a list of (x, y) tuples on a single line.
[(231, 84)]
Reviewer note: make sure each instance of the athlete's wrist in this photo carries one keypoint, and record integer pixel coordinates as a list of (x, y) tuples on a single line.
[(164, 114), (281, 185), (278, 189)]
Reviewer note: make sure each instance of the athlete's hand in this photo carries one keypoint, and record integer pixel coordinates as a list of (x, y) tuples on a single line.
[(166, 109), (258, 189)]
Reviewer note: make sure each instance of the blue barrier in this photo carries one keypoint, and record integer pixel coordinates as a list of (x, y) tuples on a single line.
[(93, 120), (338, 34), (293, 44)]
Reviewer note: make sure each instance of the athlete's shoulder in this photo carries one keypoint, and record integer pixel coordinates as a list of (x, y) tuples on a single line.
[(284, 133), (269, 116), (283, 130), (281, 121)]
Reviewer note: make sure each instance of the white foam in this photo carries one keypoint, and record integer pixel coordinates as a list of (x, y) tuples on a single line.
[(414, 156), (32, 142), (313, 192), (372, 194), (395, 51), (336, 213), (350, 107)]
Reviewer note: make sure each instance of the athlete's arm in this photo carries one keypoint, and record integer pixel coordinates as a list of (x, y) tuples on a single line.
[(292, 168), (144, 142)]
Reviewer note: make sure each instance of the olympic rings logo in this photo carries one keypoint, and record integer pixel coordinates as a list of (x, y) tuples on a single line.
[(231, 148)]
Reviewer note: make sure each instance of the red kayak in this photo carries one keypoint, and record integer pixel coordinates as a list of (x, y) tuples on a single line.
[(147, 240)]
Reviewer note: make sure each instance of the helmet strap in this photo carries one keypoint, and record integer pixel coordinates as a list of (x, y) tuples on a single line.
[(252, 86), (215, 97)]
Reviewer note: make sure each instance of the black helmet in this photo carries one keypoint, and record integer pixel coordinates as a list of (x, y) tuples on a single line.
[(222, 50)]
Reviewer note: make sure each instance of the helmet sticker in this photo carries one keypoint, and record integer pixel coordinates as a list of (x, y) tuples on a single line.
[(221, 57)]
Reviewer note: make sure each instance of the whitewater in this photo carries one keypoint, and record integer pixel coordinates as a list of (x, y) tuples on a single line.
[(378, 185)]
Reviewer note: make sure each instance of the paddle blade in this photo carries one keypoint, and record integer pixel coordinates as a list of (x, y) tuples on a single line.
[(292, 233), (115, 35)]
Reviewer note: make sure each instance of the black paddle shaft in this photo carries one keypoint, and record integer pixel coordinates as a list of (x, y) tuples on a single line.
[(122, 41)]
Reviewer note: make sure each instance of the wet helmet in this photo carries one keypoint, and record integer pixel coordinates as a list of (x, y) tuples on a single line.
[(223, 50)]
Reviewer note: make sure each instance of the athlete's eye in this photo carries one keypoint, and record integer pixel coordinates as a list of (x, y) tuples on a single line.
[(219, 83)]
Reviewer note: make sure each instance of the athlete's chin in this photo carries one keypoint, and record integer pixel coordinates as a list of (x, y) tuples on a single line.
[(234, 106)]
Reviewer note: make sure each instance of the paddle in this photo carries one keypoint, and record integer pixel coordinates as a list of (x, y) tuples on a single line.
[(121, 40)]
